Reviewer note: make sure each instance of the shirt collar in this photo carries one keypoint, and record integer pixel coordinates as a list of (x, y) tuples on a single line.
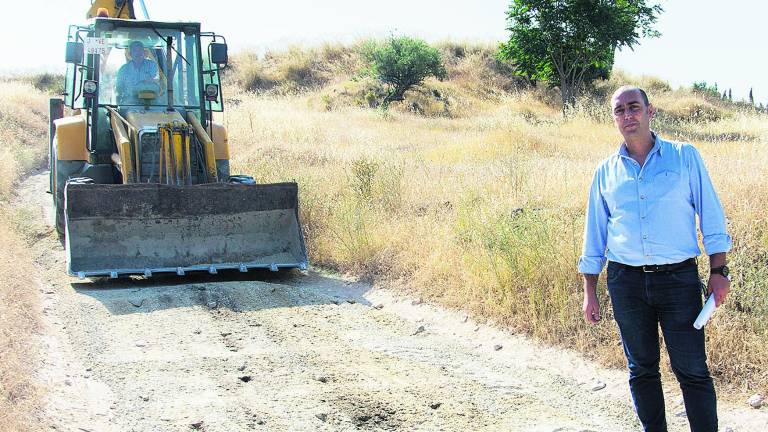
[(656, 147)]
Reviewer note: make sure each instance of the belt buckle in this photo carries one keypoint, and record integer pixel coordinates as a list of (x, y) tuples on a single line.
[(648, 269)]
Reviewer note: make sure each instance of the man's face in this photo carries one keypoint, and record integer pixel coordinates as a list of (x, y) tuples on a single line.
[(631, 114), (137, 52)]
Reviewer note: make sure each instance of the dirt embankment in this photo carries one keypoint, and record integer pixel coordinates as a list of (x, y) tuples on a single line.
[(302, 351)]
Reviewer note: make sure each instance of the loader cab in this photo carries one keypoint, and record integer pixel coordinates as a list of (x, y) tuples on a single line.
[(180, 70)]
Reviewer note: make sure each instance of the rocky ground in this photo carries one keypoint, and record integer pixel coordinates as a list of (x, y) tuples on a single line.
[(302, 351)]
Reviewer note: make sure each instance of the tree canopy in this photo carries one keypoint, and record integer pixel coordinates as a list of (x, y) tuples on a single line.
[(570, 42), (403, 62)]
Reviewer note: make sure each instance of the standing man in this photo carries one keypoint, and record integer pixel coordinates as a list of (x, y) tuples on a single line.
[(641, 218)]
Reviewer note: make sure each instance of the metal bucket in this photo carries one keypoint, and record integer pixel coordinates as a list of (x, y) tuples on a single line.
[(123, 229)]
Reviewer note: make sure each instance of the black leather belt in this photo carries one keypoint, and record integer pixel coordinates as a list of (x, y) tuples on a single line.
[(664, 268)]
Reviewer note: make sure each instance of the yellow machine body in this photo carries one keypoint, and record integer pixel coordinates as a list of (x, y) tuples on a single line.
[(142, 184), (70, 138)]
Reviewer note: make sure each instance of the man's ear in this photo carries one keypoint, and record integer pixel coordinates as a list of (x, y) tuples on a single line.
[(651, 111)]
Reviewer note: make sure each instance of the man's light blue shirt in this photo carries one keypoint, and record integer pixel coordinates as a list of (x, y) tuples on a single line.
[(647, 215), (130, 77)]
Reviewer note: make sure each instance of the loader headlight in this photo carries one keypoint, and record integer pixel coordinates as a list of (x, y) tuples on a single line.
[(211, 92), (89, 88)]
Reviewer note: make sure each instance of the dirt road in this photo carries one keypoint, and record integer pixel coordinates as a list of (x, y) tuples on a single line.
[(301, 352)]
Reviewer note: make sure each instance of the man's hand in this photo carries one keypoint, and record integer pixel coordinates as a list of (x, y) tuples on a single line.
[(591, 307), (720, 286)]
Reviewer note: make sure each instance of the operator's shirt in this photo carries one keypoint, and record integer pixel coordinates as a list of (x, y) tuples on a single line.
[(129, 76), (647, 215)]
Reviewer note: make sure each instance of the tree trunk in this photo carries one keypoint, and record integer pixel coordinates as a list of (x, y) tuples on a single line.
[(567, 94), (396, 94)]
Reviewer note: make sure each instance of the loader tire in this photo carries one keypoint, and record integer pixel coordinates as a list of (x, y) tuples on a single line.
[(58, 195), (59, 201)]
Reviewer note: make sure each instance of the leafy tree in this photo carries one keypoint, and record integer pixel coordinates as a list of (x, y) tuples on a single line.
[(560, 41), (402, 63)]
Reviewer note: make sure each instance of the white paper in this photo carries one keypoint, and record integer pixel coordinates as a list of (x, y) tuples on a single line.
[(706, 313)]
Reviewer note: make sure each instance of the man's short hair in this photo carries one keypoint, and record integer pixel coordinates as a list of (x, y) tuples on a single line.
[(626, 88), (134, 44)]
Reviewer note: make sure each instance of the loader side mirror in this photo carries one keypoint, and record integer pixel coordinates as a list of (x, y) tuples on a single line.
[(75, 52), (219, 54)]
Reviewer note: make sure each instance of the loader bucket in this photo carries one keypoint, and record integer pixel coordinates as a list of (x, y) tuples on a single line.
[(122, 229)]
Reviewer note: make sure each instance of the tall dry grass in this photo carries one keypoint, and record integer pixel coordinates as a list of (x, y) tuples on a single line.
[(23, 144), (23, 132), (337, 75), (483, 210), (20, 395)]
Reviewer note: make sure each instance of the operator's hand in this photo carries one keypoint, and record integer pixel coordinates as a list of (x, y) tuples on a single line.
[(591, 307), (720, 286)]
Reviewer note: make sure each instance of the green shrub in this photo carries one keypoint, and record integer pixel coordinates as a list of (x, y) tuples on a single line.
[(402, 63), (705, 89), (48, 82)]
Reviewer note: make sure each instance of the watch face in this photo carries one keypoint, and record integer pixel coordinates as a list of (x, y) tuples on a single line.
[(724, 271)]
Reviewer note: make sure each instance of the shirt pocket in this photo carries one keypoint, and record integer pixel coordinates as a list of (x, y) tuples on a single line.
[(668, 185)]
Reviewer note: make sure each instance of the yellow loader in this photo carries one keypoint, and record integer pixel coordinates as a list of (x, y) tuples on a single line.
[(140, 171)]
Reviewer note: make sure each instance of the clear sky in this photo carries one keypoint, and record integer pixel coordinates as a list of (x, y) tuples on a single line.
[(702, 40)]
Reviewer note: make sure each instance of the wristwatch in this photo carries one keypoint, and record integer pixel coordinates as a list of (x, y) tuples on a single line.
[(722, 270)]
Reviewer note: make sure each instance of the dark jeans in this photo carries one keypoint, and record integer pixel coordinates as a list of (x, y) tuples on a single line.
[(642, 302)]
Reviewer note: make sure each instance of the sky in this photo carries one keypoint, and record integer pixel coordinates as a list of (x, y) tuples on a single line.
[(702, 40)]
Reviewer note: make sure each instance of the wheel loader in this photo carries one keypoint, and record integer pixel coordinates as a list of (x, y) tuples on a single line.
[(140, 173)]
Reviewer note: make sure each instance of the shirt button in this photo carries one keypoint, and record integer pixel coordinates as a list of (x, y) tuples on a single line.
[(641, 178), (642, 196), (645, 236)]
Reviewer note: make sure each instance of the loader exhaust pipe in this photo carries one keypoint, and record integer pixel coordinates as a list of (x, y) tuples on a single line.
[(169, 71)]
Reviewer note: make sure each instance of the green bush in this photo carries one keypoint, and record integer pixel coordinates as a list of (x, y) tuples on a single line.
[(48, 82), (705, 89), (402, 63)]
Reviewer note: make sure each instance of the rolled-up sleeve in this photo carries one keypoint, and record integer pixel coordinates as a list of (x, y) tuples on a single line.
[(707, 206), (593, 258)]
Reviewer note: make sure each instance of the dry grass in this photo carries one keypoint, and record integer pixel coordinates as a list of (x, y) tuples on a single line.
[(23, 132), (19, 319), (336, 77), (483, 210), (295, 69), (23, 141)]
